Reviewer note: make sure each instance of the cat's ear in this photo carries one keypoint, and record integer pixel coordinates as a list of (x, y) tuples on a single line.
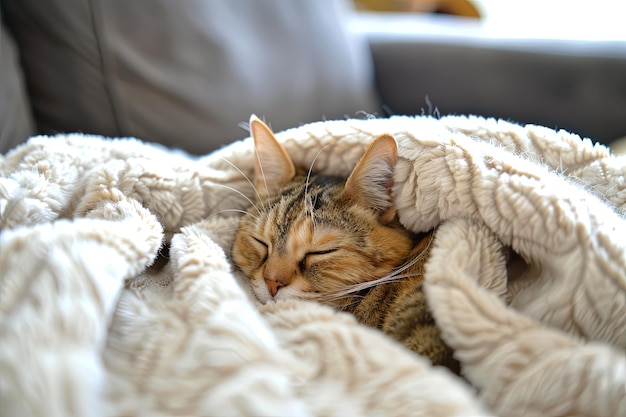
[(273, 167), (371, 180)]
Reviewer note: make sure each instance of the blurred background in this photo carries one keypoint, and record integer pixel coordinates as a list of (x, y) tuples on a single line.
[(188, 74), (556, 63), (564, 19)]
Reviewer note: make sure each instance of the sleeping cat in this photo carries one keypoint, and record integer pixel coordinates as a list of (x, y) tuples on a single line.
[(338, 242)]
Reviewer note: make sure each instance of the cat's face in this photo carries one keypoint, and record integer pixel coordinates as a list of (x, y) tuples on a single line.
[(312, 237)]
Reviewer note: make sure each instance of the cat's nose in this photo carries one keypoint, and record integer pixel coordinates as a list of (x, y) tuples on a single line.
[(273, 286)]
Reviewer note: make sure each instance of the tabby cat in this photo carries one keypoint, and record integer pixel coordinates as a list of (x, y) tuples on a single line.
[(338, 242)]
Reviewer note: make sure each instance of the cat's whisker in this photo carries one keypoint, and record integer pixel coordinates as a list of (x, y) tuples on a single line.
[(248, 199), (353, 290), (405, 266), (307, 199), (249, 181), (415, 259), (232, 211), (367, 285)]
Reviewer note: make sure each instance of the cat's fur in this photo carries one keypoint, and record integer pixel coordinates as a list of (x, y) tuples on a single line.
[(338, 242)]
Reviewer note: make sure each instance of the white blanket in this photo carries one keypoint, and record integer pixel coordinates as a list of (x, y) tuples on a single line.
[(88, 329)]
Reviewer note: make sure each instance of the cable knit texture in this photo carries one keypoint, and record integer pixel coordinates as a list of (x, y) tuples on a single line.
[(527, 280)]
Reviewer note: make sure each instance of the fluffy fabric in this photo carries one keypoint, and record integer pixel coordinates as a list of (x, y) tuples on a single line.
[(527, 280)]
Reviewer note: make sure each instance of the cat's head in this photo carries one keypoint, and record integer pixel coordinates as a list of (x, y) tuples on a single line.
[(311, 237)]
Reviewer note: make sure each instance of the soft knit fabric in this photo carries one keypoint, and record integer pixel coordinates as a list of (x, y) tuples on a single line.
[(527, 280)]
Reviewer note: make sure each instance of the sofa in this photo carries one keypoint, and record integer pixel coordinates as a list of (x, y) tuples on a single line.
[(118, 296), (188, 75)]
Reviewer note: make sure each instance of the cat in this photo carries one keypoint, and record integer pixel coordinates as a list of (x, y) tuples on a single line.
[(339, 242)]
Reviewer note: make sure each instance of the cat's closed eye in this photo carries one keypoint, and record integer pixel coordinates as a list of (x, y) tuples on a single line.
[(322, 252), (263, 249), (313, 256), (260, 242)]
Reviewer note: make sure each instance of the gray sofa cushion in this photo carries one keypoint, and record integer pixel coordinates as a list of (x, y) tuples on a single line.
[(16, 123), (460, 67), (187, 73)]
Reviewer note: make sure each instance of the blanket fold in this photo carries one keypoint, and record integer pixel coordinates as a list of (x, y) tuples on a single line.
[(527, 279)]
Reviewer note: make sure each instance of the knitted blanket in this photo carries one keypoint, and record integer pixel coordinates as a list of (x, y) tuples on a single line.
[(527, 280)]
